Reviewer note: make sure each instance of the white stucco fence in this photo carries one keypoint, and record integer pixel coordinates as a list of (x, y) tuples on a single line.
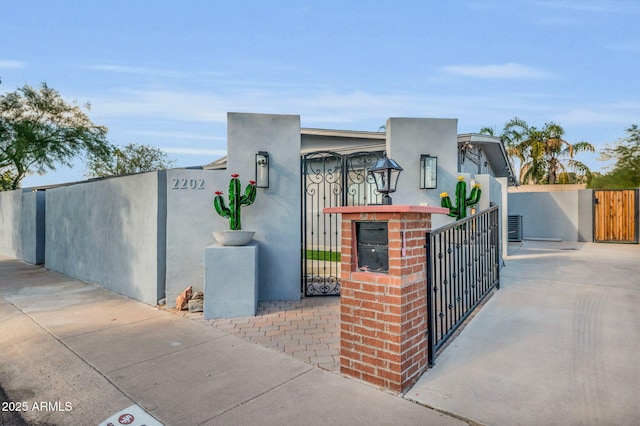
[(22, 225), (110, 232), (561, 215)]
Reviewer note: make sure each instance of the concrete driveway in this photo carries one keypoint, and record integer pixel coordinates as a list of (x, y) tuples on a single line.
[(558, 344)]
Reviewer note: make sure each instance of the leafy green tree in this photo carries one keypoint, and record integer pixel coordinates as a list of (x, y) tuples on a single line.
[(6, 180), (133, 158), (626, 171), (39, 130), (543, 155)]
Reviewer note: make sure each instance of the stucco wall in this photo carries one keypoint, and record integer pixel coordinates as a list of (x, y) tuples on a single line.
[(33, 226), (110, 232), (494, 193), (565, 215), (407, 139), (10, 221), (191, 219), (504, 213), (22, 225), (275, 215), (585, 215)]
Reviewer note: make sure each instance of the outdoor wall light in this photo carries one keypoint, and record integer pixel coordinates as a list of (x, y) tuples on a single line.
[(385, 173), (428, 172), (262, 169)]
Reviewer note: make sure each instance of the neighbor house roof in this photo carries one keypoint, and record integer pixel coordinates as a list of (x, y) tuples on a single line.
[(494, 150), (342, 141), (349, 141)]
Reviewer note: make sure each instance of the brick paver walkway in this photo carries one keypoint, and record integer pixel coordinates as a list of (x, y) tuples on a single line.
[(308, 330)]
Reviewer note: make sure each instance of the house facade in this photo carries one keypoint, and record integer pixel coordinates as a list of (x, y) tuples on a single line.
[(114, 231)]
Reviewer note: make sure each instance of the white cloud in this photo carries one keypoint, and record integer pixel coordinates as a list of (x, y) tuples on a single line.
[(623, 113), (193, 151), (509, 70), (588, 6), (162, 104), (629, 46), (177, 135), (12, 64), (124, 69)]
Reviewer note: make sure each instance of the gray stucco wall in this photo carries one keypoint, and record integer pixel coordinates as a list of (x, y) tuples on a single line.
[(22, 225), (565, 215), (10, 223), (407, 139), (33, 226), (585, 215), (191, 219), (110, 232), (504, 213), (275, 215), (494, 193)]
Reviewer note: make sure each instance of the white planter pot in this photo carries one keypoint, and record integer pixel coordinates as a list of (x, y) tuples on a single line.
[(233, 238)]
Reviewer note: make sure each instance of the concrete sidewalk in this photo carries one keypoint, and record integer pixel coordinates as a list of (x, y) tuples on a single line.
[(76, 354), (558, 344)]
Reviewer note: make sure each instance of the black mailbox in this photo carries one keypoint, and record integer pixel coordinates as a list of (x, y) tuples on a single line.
[(372, 239)]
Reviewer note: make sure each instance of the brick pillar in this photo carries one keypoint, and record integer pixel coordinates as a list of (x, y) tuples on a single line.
[(383, 315)]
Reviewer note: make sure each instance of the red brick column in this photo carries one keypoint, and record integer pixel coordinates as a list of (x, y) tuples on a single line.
[(383, 315)]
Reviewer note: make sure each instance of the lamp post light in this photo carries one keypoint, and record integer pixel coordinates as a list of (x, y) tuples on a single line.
[(385, 174)]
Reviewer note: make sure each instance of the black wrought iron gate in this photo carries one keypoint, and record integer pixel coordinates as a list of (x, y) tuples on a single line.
[(330, 179), (463, 267)]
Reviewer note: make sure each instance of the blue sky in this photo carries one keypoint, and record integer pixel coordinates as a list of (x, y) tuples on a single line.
[(165, 73)]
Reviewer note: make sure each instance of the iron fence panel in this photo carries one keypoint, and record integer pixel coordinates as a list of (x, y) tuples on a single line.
[(463, 266)]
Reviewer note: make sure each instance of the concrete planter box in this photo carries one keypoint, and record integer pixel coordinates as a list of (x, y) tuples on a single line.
[(230, 281)]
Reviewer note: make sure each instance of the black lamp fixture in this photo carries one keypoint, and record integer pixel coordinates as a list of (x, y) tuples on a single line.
[(428, 172), (262, 169), (385, 174)]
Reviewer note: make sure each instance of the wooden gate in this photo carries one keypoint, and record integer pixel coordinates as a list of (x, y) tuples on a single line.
[(615, 216)]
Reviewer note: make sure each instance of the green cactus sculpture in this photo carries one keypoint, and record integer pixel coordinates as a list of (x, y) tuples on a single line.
[(236, 201), (459, 211)]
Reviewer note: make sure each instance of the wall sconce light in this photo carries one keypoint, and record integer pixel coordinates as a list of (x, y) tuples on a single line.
[(385, 174), (262, 169), (428, 172)]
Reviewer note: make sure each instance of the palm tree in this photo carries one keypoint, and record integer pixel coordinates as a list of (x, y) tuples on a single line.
[(543, 154)]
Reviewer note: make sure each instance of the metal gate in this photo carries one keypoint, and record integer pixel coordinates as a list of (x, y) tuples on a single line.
[(330, 179), (615, 216), (463, 267)]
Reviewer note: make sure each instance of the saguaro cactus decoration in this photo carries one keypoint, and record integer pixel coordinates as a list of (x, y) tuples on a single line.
[(459, 211), (236, 201)]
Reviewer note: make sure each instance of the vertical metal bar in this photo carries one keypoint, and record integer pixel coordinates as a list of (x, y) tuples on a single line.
[(454, 274), (344, 182), (498, 247), (481, 232), (467, 257), (303, 225), (457, 299), (430, 299), (481, 254), (449, 312), (440, 285), (483, 221), (476, 260)]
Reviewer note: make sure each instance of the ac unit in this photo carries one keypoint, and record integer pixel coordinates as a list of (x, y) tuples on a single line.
[(514, 227)]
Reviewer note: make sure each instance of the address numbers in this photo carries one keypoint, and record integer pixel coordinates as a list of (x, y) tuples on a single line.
[(187, 183)]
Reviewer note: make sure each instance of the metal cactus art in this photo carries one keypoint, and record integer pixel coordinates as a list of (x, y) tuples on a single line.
[(236, 201), (459, 211)]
